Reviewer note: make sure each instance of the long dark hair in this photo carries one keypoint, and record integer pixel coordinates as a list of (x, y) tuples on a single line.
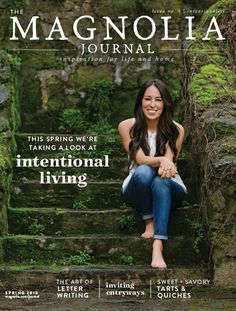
[(167, 131)]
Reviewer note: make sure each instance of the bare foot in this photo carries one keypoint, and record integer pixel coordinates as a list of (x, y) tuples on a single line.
[(149, 231), (157, 258)]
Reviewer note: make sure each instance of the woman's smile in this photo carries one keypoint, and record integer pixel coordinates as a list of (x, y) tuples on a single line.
[(152, 103)]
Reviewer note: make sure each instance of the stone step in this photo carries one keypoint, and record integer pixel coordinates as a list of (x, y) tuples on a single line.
[(45, 277), (23, 249), (64, 222), (97, 195)]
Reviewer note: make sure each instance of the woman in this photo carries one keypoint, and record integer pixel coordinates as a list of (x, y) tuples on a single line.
[(153, 141)]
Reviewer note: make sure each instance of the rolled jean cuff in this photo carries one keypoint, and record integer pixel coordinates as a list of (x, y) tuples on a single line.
[(149, 216), (160, 237)]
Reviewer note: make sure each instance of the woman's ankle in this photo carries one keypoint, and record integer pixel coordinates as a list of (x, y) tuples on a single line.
[(157, 257), (149, 229)]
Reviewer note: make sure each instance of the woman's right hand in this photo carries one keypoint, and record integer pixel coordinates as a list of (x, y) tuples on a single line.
[(167, 168)]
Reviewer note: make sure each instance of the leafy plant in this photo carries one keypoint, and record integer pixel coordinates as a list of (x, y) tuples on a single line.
[(32, 262), (15, 61), (198, 234), (79, 205), (58, 233), (175, 95), (51, 221), (102, 128), (127, 222), (72, 121), (83, 258), (98, 106), (127, 260), (36, 228)]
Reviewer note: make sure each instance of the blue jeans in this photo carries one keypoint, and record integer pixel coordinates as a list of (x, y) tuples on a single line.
[(153, 197)]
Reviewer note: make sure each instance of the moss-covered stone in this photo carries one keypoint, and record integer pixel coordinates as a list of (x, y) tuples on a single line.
[(60, 222), (213, 84), (218, 10), (31, 97), (8, 103), (85, 75), (223, 274), (52, 91), (5, 180), (94, 196), (103, 249), (42, 60), (113, 8), (4, 124)]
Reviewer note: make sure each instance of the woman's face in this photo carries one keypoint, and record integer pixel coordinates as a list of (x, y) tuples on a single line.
[(152, 103)]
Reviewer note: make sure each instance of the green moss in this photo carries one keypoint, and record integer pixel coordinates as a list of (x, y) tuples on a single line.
[(4, 124), (114, 8), (5, 180), (219, 59), (72, 121), (31, 97), (84, 76), (224, 125), (5, 153), (40, 61), (212, 84), (219, 9), (228, 146)]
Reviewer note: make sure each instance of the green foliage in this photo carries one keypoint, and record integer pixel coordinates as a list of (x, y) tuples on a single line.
[(127, 260), (175, 94), (212, 84), (16, 4), (72, 121), (87, 119), (217, 10), (97, 104), (127, 222), (80, 205), (198, 234), (102, 128), (82, 259), (58, 233), (36, 228), (15, 61), (32, 262), (51, 221)]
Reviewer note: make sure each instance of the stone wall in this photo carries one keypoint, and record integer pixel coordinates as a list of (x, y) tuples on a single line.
[(212, 127), (7, 145)]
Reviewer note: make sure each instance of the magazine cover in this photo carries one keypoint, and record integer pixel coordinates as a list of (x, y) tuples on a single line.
[(117, 155)]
